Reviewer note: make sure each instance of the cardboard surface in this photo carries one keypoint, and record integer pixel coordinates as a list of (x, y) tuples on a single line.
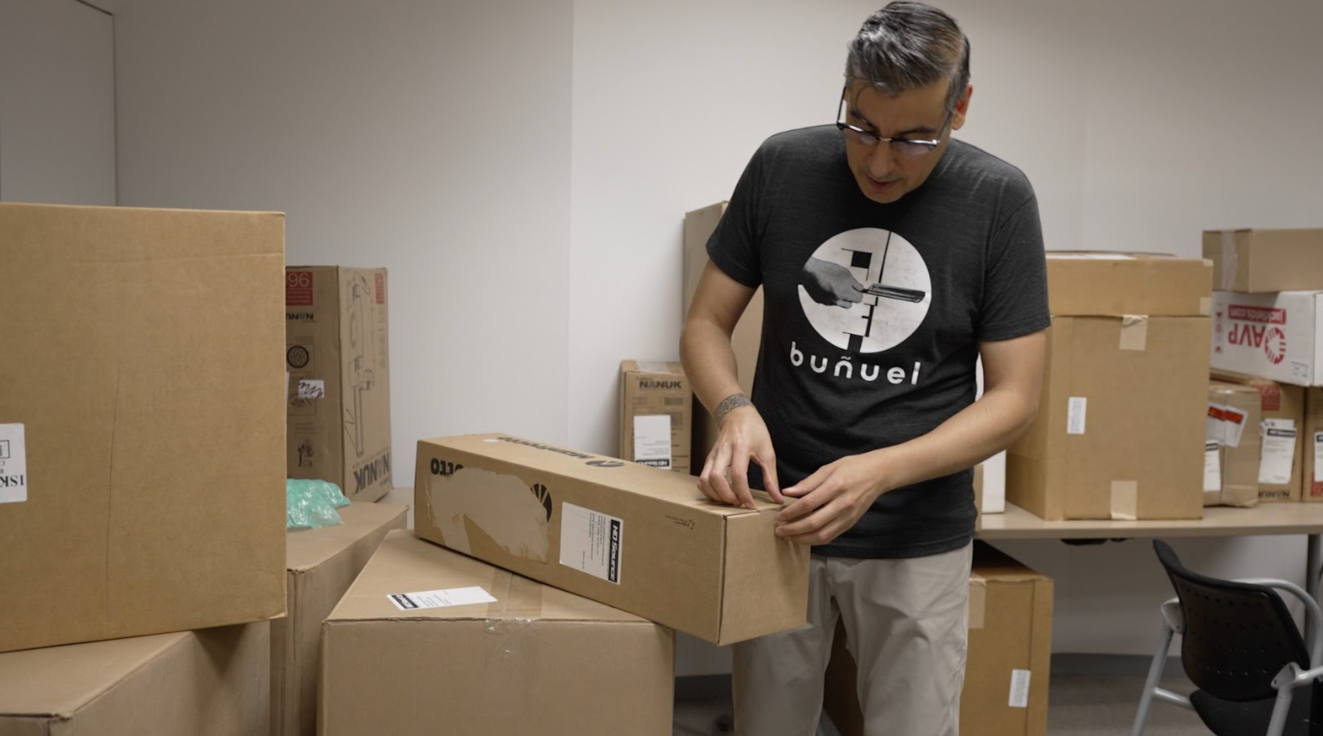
[(744, 340), (1009, 661), (320, 566), (1251, 261), (1313, 446), (205, 683), (620, 533), (1120, 426), (1281, 412), (338, 358), (1093, 283), (656, 415), (141, 395), (535, 660), (1276, 336), (1231, 470)]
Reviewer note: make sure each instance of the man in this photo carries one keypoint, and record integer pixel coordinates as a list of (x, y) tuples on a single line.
[(891, 258)]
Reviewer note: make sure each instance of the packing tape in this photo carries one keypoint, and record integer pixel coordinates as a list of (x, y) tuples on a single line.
[(1205, 306), (1125, 500), (1229, 264), (1134, 332), (508, 673), (978, 601)]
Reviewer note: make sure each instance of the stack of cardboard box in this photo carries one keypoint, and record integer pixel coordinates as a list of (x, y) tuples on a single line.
[(141, 468), (1268, 331)]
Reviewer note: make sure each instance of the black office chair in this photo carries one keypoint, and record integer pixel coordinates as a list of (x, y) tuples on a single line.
[(1242, 650)]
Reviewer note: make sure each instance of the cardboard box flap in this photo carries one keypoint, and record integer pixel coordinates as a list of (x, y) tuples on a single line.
[(58, 681), (1099, 283), (751, 606), (405, 564), (306, 549), (585, 467)]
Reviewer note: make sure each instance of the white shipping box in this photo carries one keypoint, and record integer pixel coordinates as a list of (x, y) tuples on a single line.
[(1274, 336)]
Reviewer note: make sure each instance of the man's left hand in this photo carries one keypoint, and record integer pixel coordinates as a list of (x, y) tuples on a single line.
[(830, 501)]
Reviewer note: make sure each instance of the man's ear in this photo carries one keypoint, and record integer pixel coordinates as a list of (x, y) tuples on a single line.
[(961, 108)]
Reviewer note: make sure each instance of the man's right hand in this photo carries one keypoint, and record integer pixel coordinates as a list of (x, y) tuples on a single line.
[(743, 438)]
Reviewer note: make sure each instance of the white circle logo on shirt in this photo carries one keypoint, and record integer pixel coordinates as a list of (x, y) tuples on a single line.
[(865, 290)]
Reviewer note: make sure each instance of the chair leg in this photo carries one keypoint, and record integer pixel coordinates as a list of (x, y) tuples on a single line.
[(1151, 684), (1279, 711)]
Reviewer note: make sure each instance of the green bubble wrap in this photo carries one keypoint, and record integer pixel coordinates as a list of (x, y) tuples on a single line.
[(310, 504)]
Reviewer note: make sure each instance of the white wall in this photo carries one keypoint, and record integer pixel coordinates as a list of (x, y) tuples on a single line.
[(523, 169), (431, 138)]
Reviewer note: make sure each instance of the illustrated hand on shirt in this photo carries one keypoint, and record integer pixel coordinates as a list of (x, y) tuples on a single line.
[(831, 284)]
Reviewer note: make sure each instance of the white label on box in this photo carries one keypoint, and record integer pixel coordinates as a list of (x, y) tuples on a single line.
[(1225, 424), (1318, 457), (652, 440), (1076, 408), (1212, 468), (591, 542), (1020, 688), (309, 389), (440, 598), (653, 366), (13, 464), (1278, 454)]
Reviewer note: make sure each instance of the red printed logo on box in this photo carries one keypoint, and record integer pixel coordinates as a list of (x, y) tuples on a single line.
[(1262, 315), (1274, 345), (298, 288), (381, 288), (1271, 395)]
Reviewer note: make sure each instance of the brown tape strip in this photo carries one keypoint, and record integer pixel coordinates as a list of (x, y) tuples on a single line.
[(1134, 332), (1125, 500)]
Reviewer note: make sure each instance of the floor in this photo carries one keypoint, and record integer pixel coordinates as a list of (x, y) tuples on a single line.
[(1080, 705)]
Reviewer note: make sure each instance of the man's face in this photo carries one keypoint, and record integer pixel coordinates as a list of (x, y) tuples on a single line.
[(883, 174)]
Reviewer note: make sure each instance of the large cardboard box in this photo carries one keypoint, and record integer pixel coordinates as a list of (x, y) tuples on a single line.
[(1277, 336), (141, 470), (204, 683), (321, 564), (640, 539), (1281, 435), (1252, 261), (656, 414), (1231, 455), (744, 340), (1313, 436), (1120, 426), (1009, 660), (338, 358), (427, 641)]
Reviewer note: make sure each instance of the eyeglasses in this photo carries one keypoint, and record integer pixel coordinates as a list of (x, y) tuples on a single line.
[(902, 146)]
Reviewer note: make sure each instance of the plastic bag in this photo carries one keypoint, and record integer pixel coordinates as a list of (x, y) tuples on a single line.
[(310, 504)]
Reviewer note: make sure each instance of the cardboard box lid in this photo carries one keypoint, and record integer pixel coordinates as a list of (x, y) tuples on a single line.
[(652, 366), (406, 564), (1097, 283), (1255, 260), (306, 549), (527, 456), (59, 681)]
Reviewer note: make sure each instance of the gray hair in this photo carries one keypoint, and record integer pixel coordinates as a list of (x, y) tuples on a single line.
[(908, 45)]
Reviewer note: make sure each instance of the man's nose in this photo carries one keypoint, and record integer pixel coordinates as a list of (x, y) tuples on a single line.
[(881, 161)]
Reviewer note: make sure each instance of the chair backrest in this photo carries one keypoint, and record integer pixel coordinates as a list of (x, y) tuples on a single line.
[(1238, 636)]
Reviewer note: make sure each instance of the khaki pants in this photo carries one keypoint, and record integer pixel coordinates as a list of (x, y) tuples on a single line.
[(908, 626)]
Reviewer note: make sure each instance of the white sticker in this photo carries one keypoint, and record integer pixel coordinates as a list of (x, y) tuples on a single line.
[(1318, 457), (440, 598), (653, 366), (591, 542), (1212, 468), (13, 464), (1076, 408), (1225, 424), (1020, 688), (652, 440), (1278, 454), (310, 389)]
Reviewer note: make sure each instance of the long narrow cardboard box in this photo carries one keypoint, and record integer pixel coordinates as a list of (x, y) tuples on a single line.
[(141, 422), (204, 683), (320, 566), (637, 538), (428, 641)]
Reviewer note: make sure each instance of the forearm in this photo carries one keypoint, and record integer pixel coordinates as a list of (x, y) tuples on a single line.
[(981, 430), (709, 362)]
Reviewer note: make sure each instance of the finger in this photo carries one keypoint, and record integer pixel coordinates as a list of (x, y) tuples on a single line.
[(770, 484), (806, 527), (844, 303), (739, 475), (807, 485), (824, 535), (720, 485), (704, 479), (806, 504)]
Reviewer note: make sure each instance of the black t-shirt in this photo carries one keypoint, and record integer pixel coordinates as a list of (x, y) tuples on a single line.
[(957, 261)]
